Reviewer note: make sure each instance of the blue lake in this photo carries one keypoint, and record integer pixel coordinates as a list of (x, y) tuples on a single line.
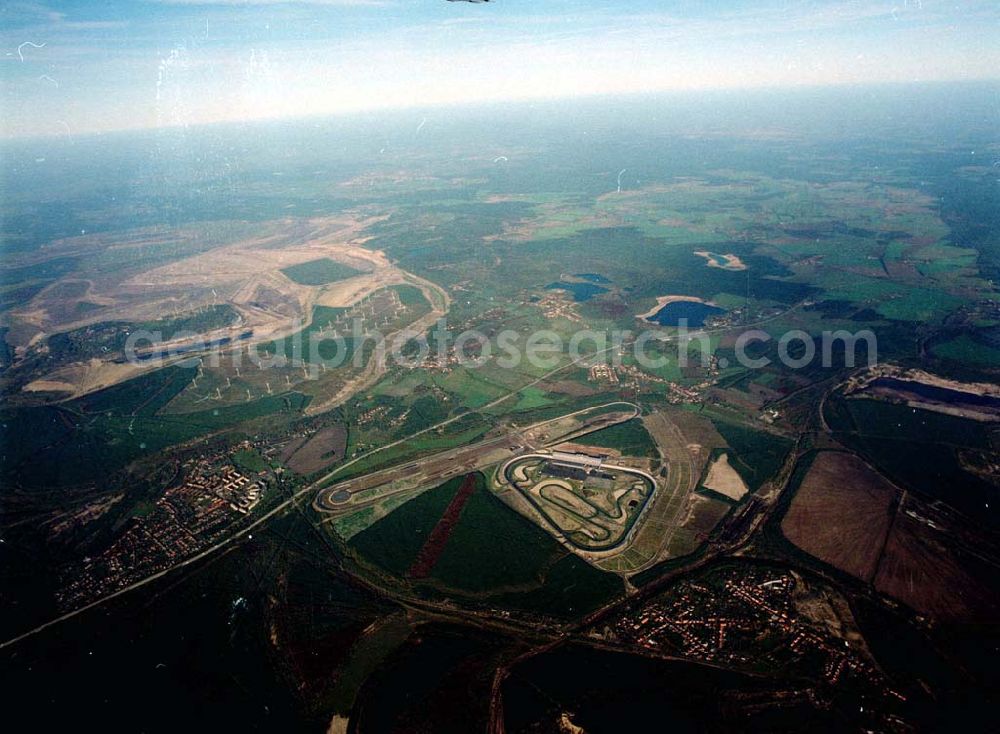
[(693, 312), (937, 393), (580, 291)]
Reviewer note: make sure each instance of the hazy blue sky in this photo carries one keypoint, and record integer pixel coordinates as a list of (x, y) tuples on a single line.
[(111, 64)]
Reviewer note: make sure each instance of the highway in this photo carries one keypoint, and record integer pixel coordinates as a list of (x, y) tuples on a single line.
[(311, 488)]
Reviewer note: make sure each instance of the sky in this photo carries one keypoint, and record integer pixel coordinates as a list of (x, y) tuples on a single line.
[(80, 67)]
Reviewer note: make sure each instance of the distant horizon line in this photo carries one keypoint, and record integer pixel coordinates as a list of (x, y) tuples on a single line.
[(518, 101)]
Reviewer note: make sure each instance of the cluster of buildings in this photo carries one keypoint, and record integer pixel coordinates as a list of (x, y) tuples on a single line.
[(603, 373), (750, 620), (86, 514), (557, 304), (186, 519), (630, 377), (371, 415), (572, 465), (680, 394), (633, 373), (444, 360), (226, 485)]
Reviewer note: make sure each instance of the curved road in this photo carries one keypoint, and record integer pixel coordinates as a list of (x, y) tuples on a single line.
[(317, 485)]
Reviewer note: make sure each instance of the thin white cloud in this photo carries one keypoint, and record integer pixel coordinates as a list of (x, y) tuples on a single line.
[(119, 80), (36, 15), (31, 12), (331, 3)]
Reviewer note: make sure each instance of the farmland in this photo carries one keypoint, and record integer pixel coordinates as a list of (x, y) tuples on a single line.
[(389, 525), (515, 563), (841, 514), (938, 564), (918, 449), (318, 451), (909, 549), (629, 438)]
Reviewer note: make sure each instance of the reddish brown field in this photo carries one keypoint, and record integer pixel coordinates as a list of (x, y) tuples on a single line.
[(925, 556), (841, 514), (428, 555), (938, 565)]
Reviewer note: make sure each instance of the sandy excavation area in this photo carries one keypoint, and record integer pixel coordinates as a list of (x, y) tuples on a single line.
[(228, 264), (725, 480), (724, 261), (245, 274)]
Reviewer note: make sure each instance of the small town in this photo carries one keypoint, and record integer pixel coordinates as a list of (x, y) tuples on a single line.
[(187, 518), (729, 617)]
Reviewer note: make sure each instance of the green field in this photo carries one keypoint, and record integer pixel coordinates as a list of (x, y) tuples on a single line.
[(87, 439), (572, 587), (319, 272), (492, 553), (966, 350), (394, 541), (312, 343), (410, 295), (493, 548), (630, 438), (250, 461)]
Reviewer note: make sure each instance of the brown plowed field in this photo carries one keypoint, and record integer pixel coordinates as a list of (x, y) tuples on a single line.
[(939, 566), (325, 447), (841, 514)]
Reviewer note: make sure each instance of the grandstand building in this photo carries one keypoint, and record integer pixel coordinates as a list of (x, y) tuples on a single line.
[(574, 465)]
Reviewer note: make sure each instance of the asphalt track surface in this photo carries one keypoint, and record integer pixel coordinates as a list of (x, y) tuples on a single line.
[(246, 532)]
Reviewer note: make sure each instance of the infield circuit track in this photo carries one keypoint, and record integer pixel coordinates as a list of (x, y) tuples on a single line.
[(353, 494)]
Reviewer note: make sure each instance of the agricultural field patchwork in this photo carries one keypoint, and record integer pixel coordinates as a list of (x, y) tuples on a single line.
[(200, 424)]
